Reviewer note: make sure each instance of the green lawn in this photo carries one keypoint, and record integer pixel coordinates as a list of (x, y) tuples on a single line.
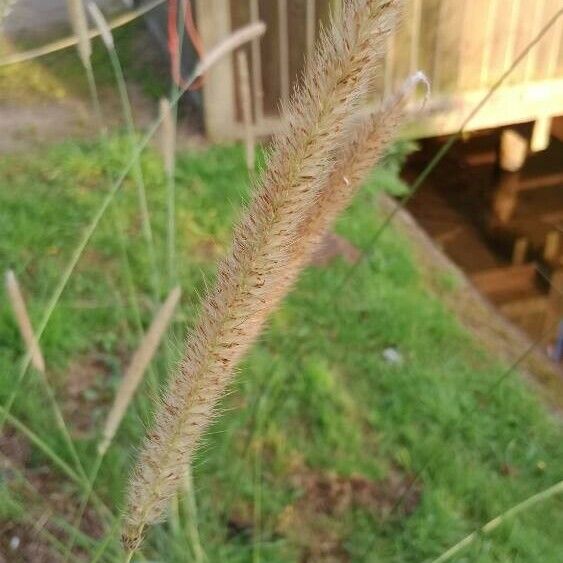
[(314, 454)]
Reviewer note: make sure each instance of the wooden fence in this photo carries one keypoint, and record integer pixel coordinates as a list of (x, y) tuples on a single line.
[(463, 46)]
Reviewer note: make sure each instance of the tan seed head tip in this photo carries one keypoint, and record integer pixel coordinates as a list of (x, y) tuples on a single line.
[(412, 82)]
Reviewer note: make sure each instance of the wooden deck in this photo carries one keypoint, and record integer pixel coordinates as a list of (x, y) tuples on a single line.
[(463, 46)]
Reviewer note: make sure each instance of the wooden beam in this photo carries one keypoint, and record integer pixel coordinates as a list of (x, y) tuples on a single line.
[(520, 103), (541, 134), (505, 279), (525, 307), (551, 247), (214, 23)]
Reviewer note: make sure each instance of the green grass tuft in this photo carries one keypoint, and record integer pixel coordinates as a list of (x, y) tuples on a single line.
[(315, 397)]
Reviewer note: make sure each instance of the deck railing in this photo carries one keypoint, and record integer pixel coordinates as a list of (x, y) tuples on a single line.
[(463, 46)]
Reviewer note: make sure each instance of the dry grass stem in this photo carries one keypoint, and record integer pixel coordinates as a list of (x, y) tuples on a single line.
[(102, 25), (228, 45), (246, 105), (24, 324), (137, 367), (77, 17), (167, 136), (261, 267)]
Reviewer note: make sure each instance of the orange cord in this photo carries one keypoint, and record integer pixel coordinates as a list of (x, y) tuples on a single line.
[(174, 41)]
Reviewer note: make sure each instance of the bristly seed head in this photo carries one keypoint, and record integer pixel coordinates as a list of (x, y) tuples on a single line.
[(267, 250)]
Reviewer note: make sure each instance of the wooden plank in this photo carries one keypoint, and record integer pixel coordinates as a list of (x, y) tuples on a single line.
[(445, 71), (550, 47), (297, 24), (311, 24), (427, 36), (471, 44), (505, 279), (538, 20), (415, 23), (525, 307), (271, 56), (257, 80), (489, 41), (514, 18), (214, 23), (283, 38), (526, 29), (502, 42), (444, 114)]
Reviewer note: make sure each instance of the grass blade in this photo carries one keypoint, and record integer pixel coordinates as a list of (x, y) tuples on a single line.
[(501, 519)]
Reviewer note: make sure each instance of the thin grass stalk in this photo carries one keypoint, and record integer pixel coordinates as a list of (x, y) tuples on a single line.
[(137, 367), (255, 275), (493, 524), (138, 176), (168, 145), (246, 105), (257, 504), (24, 324), (233, 42), (191, 512), (168, 136), (79, 25)]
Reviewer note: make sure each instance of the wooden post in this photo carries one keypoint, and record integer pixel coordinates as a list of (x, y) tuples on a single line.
[(551, 247), (519, 251), (246, 103), (513, 151), (541, 134), (214, 23)]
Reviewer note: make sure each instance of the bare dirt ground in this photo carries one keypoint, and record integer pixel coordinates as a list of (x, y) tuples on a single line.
[(36, 18), (28, 121)]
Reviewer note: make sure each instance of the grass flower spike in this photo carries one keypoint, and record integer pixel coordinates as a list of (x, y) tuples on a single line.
[(261, 265)]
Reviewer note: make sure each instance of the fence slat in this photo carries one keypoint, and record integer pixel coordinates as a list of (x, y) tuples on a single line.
[(284, 49), (214, 23), (257, 81), (311, 24)]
